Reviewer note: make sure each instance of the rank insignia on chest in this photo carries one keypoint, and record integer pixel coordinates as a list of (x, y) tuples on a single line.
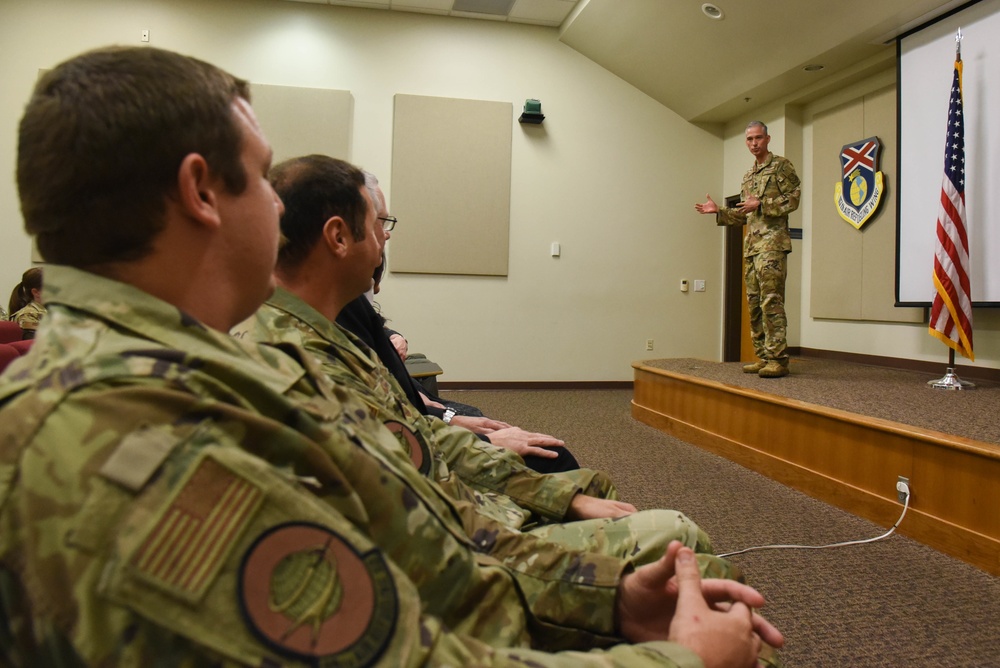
[(859, 191), (308, 594)]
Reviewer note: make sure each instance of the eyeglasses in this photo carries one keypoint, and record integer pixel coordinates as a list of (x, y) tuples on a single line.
[(388, 222)]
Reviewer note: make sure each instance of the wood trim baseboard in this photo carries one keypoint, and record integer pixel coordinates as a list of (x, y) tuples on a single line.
[(964, 371)]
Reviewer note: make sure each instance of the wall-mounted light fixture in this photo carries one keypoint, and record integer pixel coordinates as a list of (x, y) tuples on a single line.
[(532, 112)]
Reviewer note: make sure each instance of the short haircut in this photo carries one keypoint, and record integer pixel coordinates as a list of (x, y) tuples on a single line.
[(756, 124), (315, 188), (101, 142)]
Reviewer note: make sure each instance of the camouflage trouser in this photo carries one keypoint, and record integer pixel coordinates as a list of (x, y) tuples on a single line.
[(765, 275), (641, 538)]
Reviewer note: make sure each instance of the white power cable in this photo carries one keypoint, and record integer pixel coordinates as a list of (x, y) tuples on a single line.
[(906, 504)]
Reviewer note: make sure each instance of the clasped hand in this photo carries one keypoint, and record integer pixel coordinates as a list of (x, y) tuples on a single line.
[(668, 600), (749, 205)]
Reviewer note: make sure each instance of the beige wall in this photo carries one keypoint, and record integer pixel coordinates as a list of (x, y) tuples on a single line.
[(611, 174)]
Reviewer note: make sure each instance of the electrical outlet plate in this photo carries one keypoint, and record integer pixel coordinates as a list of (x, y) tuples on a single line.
[(903, 484), (649, 344)]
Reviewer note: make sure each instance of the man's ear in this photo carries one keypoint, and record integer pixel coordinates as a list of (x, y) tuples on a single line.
[(337, 236), (196, 190)]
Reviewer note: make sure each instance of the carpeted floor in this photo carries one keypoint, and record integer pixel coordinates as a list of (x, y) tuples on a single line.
[(892, 603)]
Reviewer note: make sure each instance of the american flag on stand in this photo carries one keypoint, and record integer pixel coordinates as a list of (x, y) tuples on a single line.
[(951, 312)]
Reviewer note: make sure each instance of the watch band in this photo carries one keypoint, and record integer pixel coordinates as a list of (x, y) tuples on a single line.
[(449, 413)]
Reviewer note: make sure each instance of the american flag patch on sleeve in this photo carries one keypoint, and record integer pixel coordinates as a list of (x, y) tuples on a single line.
[(195, 533)]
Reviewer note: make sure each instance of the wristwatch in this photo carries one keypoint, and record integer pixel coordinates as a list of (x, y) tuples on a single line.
[(449, 413)]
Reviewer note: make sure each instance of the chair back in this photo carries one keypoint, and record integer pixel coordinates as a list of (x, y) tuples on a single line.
[(10, 331), (21, 346), (8, 354)]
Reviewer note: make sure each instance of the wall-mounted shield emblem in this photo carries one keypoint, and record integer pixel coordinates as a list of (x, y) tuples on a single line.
[(859, 191)]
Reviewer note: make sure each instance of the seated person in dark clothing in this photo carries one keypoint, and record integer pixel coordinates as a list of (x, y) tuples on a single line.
[(428, 389), (541, 452)]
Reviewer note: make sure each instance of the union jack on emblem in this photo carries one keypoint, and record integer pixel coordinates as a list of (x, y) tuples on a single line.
[(859, 191)]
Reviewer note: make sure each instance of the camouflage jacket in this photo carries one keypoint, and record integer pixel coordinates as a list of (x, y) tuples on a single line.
[(776, 185), (514, 491), (29, 316), (170, 495)]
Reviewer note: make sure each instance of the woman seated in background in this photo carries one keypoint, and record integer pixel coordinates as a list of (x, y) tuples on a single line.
[(25, 306)]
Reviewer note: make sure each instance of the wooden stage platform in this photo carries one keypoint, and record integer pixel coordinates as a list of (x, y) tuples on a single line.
[(844, 458)]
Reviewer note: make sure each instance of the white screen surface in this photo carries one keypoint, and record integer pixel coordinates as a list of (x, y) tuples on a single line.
[(926, 66)]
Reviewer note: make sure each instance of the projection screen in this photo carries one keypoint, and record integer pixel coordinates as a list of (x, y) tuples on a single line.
[(926, 58)]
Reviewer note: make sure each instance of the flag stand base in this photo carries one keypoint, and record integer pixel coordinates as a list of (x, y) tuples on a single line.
[(950, 381)]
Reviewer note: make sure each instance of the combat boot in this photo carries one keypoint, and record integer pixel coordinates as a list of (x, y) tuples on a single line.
[(774, 369), (755, 367)]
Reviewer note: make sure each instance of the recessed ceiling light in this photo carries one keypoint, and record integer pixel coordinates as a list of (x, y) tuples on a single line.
[(813, 68), (711, 11)]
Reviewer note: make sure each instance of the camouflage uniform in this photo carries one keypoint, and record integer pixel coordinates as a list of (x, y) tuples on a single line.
[(29, 316), (765, 249), (494, 480), (172, 496)]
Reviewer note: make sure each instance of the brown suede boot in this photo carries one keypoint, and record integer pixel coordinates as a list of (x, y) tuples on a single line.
[(774, 369), (755, 367)]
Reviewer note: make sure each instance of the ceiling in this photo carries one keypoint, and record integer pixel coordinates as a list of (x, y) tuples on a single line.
[(538, 12), (711, 70)]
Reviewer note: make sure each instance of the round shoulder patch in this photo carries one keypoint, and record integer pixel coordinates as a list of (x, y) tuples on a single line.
[(308, 594), (420, 454)]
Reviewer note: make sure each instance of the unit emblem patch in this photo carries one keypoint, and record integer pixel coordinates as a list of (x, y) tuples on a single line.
[(859, 191), (308, 594), (420, 454)]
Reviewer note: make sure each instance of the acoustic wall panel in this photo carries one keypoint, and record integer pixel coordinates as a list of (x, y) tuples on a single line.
[(852, 270), (300, 121), (451, 185), (837, 246)]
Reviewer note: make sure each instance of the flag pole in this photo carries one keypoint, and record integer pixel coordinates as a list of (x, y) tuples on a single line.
[(950, 380)]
